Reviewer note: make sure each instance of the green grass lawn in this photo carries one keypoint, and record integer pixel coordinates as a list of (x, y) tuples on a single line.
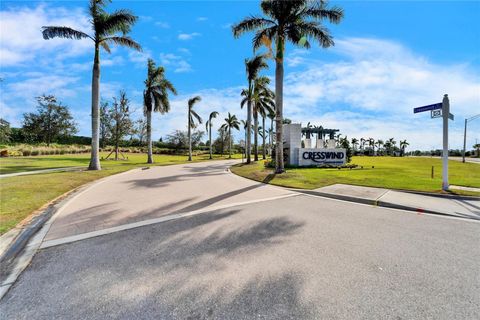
[(22, 195), (385, 172)]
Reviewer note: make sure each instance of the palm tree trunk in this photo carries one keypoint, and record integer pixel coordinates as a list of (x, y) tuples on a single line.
[(230, 143), (189, 138), (210, 137), (149, 137), (94, 159), (264, 155), (249, 130), (279, 166), (255, 135)]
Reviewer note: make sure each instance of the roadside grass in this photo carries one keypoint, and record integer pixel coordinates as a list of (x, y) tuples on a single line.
[(20, 196), (385, 172), (23, 164)]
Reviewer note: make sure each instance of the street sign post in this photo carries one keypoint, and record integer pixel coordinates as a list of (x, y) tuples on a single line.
[(442, 110)]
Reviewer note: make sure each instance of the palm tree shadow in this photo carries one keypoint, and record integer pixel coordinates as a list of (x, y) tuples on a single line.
[(269, 178)]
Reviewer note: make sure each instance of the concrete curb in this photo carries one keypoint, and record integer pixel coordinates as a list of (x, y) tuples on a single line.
[(379, 203)]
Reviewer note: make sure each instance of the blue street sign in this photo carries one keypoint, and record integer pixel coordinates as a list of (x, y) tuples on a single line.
[(428, 108)]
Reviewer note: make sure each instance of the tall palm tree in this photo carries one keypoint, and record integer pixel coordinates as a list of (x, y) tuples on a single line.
[(392, 143), (253, 66), (231, 121), (294, 21), (379, 145), (354, 144), (155, 98), (192, 115), (244, 125), (208, 126), (403, 145), (263, 104), (106, 27), (371, 143)]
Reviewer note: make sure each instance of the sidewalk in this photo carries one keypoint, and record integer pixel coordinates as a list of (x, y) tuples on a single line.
[(25, 173), (458, 206)]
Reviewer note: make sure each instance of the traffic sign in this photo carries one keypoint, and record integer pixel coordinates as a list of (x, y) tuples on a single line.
[(434, 106), (437, 113), (450, 116)]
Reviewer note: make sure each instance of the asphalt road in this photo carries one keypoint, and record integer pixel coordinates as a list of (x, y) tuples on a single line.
[(299, 257)]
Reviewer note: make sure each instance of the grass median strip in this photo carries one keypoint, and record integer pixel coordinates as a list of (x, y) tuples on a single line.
[(22, 195), (384, 172)]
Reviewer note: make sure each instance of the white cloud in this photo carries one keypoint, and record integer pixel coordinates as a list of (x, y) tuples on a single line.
[(177, 63), (24, 42), (201, 19), (162, 24), (188, 36), (372, 90)]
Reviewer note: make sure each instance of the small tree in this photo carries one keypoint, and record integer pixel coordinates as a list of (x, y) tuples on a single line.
[(139, 130), (477, 146), (345, 143), (52, 121), (105, 124), (122, 124), (5, 131)]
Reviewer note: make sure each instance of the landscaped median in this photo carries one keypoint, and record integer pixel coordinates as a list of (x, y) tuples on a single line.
[(20, 196), (385, 172)]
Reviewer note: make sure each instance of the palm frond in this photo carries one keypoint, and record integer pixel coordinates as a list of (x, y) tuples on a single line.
[(50, 32), (196, 116), (250, 24), (193, 101), (123, 41), (105, 46), (118, 21)]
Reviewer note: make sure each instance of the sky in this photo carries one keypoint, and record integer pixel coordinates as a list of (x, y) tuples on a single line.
[(389, 57)]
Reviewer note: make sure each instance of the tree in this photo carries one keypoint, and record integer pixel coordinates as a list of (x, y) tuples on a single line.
[(403, 145), (263, 105), (155, 98), (52, 121), (354, 144), (179, 139), (208, 126), (344, 143), (139, 130), (294, 21), (371, 143), (252, 66), (121, 122), (391, 144), (105, 124), (192, 115), (379, 145), (5, 131), (105, 27), (231, 121)]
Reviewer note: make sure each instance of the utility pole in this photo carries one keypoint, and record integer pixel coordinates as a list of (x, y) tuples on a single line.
[(445, 113), (465, 135)]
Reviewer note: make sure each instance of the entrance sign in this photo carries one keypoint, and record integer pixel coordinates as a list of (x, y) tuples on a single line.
[(442, 110), (315, 157), (428, 108), (307, 156)]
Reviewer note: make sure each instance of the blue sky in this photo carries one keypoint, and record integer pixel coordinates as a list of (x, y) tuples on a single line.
[(389, 57)]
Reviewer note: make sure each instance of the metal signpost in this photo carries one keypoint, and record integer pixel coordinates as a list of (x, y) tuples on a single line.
[(438, 110)]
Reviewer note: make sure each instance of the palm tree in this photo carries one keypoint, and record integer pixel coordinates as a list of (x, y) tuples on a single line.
[(192, 115), (371, 143), (379, 145), (155, 98), (392, 144), (208, 126), (354, 144), (231, 121), (253, 66), (263, 104), (105, 27), (244, 125), (294, 21), (403, 145)]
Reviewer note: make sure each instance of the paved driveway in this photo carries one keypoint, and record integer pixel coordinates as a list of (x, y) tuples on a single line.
[(294, 257)]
